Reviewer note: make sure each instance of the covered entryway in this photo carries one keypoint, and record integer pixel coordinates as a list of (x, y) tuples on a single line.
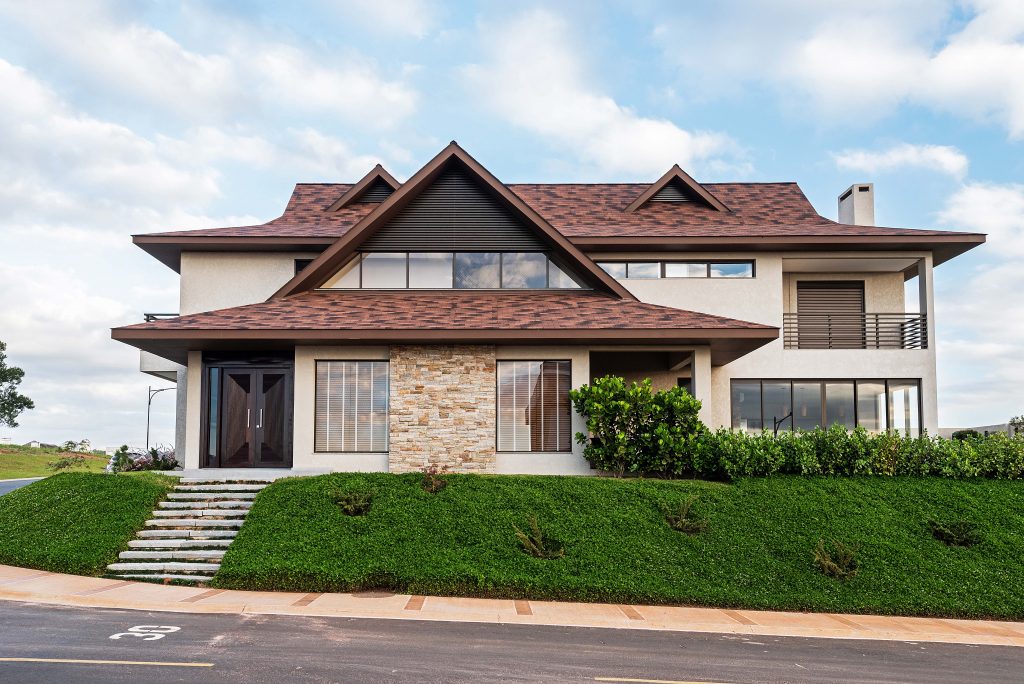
[(247, 412)]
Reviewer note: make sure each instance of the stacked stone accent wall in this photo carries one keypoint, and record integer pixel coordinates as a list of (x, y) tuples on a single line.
[(442, 408)]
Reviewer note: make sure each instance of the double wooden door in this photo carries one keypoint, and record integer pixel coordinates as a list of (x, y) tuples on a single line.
[(251, 417)]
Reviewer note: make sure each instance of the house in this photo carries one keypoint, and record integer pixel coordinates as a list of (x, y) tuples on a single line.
[(384, 325)]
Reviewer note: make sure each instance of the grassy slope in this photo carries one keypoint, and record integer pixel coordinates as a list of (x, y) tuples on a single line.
[(757, 551), (76, 522), (21, 461)]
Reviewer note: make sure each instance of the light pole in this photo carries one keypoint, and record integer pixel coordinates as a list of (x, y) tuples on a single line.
[(149, 405)]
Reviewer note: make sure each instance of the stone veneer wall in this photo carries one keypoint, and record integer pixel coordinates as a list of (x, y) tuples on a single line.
[(442, 408)]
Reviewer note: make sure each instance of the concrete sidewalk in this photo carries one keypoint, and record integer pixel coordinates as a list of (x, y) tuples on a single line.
[(36, 586)]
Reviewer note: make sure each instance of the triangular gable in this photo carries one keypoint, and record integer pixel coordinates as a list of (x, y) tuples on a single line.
[(376, 186), (675, 186), (451, 163)]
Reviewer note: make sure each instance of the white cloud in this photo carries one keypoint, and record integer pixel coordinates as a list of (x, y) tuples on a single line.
[(247, 72), (942, 158), (534, 78), (403, 17), (861, 60), (980, 314)]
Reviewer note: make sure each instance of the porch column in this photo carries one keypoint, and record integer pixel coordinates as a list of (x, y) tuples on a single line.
[(702, 382)]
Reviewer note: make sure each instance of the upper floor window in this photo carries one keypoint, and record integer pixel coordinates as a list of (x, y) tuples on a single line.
[(452, 270), (678, 269)]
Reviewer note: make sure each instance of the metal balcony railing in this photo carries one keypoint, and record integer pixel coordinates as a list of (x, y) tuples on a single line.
[(150, 317), (854, 331)]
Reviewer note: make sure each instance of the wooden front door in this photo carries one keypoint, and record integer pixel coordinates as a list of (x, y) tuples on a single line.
[(249, 417)]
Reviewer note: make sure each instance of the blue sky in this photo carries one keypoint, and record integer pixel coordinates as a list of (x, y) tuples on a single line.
[(126, 117)]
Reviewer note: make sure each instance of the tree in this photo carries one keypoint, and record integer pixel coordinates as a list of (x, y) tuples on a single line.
[(1017, 425), (11, 402)]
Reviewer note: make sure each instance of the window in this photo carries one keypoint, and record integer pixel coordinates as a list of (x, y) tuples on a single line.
[(678, 269), (351, 413), (301, 264), (533, 406), (875, 405), (447, 270)]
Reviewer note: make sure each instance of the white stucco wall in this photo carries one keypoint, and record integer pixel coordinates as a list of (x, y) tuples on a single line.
[(218, 280)]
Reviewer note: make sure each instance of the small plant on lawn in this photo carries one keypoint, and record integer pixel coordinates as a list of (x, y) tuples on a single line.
[(681, 518), (433, 480), (353, 503), (67, 462), (956, 533), (536, 544), (836, 559)]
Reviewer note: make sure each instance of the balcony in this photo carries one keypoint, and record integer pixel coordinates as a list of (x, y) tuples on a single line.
[(150, 317), (855, 331)]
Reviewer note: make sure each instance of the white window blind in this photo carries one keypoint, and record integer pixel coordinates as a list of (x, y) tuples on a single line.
[(534, 413), (351, 411)]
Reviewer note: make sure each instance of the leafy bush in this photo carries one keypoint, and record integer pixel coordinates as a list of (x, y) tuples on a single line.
[(636, 430), (679, 518), (956, 533), (126, 460), (433, 481), (67, 462), (353, 503), (536, 544), (966, 434), (836, 560)]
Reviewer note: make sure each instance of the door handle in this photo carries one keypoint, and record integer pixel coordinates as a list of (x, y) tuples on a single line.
[(247, 419), (259, 421)]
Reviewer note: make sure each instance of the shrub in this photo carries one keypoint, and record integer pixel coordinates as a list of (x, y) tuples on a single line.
[(636, 430), (353, 503), (966, 434), (836, 560), (127, 460), (956, 533), (680, 520), (536, 544), (67, 462), (432, 480)]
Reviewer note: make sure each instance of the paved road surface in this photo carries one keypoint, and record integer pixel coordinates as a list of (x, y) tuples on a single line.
[(261, 649), (11, 485)]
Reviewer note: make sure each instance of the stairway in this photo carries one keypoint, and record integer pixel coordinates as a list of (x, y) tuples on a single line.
[(189, 533)]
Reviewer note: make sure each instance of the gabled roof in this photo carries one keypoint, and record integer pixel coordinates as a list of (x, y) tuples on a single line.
[(377, 175), (676, 177), (451, 316), (334, 257)]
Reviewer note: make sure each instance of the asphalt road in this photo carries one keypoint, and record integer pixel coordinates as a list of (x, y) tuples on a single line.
[(240, 648), (11, 485)]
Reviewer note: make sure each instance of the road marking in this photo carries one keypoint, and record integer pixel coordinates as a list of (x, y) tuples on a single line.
[(75, 661), (649, 681), (147, 632)]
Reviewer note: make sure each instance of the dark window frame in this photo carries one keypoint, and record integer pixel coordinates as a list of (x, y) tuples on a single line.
[(497, 413), (316, 388), (707, 263), (822, 382)]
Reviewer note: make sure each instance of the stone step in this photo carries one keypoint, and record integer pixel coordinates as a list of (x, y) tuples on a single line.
[(220, 488), (179, 555), (198, 578), (212, 496), (187, 523), (217, 481), (179, 543), (170, 566), (187, 505), (187, 534), (201, 513)]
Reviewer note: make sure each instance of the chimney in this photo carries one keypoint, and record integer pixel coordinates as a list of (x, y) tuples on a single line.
[(857, 205)]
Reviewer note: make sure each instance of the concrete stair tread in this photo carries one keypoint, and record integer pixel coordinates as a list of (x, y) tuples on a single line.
[(203, 503), (216, 480), (177, 554), (219, 488), (192, 522), (187, 534), (200, 513), (211, 496), (168, 565), (156, 544), (181, 578)]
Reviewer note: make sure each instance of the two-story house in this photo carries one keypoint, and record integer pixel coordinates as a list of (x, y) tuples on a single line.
[(386, 326)]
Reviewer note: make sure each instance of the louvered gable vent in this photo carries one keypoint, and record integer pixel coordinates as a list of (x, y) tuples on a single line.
[(454, 214), (377, 192), (672, 192)]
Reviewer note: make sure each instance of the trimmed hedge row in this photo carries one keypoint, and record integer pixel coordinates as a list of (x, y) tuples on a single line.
[(727, 454)]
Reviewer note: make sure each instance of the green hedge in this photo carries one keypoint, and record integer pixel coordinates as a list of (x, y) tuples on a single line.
[(76, 522), (756, 550)]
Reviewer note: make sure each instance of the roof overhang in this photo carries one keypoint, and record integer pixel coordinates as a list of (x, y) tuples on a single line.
[(168, 248), (943, 247), (726, 344)]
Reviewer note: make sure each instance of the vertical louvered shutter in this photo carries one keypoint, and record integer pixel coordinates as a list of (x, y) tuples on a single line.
[(534, 412), (351, 412)]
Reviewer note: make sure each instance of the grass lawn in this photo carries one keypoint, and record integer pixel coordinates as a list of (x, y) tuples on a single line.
[(21, 461), (76, 522), (756, 552)]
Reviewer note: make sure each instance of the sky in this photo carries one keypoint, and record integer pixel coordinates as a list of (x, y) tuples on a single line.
[(124, 117)]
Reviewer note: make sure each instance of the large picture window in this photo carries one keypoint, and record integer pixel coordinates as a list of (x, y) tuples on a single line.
[(351, 412), (534, 412), (875, 405)]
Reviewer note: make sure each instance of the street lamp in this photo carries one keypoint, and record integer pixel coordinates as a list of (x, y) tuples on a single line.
[(149, 405)]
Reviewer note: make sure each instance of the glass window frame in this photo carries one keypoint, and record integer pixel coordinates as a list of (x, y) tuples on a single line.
[(708, 265), (387, 407), (497, 405)]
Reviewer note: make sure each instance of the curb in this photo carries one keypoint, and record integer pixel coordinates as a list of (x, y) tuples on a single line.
[(36, 586), (22, 479)]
